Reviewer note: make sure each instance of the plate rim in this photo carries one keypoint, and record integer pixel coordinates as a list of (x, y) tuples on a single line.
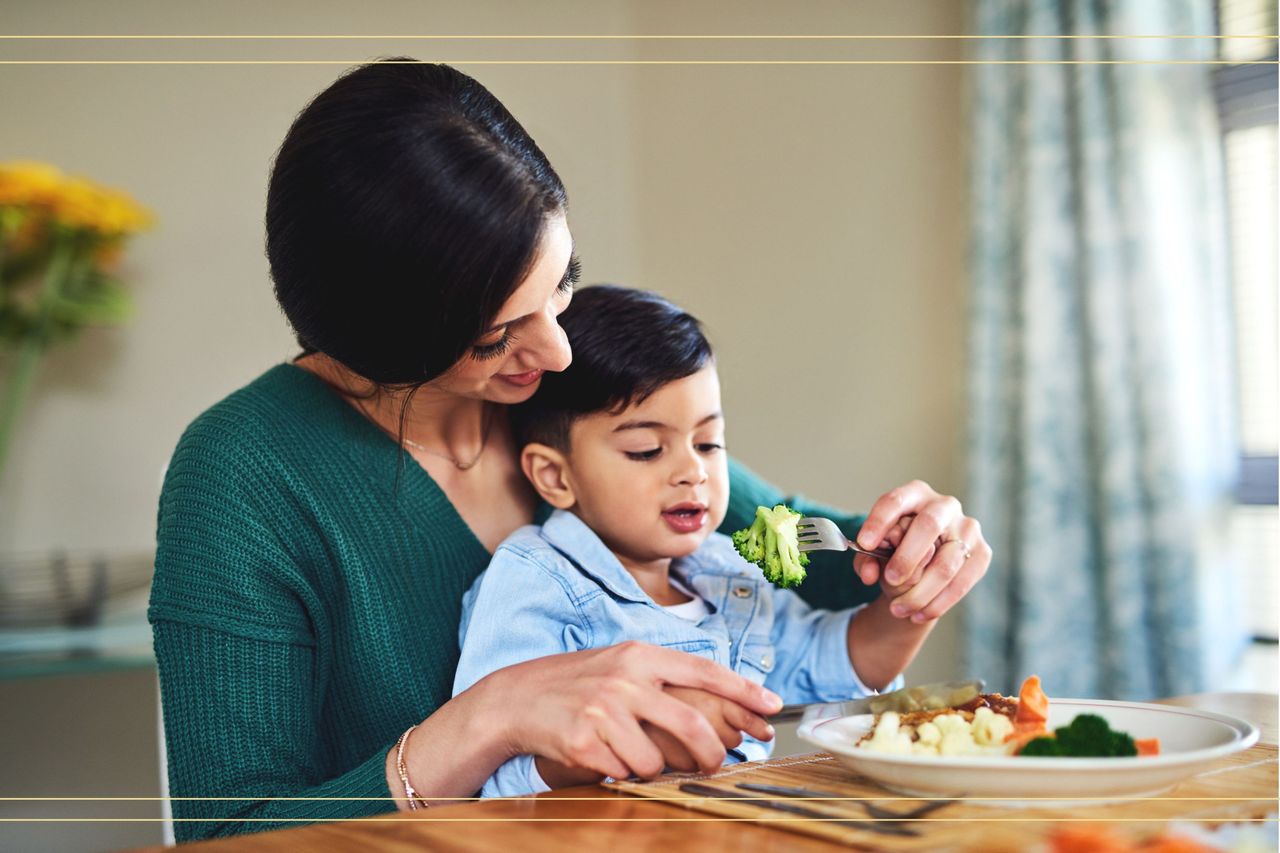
[(1246, 736)]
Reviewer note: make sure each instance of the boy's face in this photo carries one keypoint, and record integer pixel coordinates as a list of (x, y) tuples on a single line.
[(653, 480)]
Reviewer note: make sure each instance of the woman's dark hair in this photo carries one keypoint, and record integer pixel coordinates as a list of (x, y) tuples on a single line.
[(626, 345), (405, 206)]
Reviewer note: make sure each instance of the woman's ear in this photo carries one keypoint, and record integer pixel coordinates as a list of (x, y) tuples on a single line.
[(546, 468)]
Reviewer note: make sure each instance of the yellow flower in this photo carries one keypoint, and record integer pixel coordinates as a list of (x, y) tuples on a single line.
[(120, 214), (75, 204), (72, 202), (89, 206), (25, 183)]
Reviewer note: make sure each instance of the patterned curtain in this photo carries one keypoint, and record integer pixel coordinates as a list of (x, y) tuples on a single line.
[(1101, 439)]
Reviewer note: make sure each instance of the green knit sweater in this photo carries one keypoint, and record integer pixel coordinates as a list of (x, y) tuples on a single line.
[(308, 585)]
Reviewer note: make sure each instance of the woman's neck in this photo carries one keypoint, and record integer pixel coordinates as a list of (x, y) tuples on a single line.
[(435, 421)]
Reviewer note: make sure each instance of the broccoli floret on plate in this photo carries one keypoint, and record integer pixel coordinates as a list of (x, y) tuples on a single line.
[(1088, 736)]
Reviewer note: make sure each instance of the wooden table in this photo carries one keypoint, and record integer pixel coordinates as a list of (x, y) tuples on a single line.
[(592, 818)]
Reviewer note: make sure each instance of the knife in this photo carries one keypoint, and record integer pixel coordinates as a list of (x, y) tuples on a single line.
[(922, 697), (700, 790), (871, 808)]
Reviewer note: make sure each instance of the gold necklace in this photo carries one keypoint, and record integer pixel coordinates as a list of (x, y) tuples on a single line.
[(461, 466)]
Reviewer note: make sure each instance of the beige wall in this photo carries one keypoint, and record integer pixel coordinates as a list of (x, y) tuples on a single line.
[(812, 216), (195, 144)]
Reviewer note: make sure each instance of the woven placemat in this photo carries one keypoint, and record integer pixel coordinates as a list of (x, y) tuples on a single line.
[(1239, 787)]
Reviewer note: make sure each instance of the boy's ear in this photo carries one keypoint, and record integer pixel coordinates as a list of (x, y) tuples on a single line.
[(546, 468)]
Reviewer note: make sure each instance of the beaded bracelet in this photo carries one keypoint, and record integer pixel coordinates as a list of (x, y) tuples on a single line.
[(415, 802)]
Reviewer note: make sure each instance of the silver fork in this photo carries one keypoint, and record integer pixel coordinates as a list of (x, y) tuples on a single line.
[(822, 534)]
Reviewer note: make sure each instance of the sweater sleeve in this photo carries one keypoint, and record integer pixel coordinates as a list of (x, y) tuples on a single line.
[(831, 583), (238, 725), (234, 624)]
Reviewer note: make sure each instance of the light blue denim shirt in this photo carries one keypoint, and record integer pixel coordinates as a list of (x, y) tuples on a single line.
[(557, 588)]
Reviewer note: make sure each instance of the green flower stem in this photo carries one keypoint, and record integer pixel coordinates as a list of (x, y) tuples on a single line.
[(11, 219), (5, 218), (32, 348)]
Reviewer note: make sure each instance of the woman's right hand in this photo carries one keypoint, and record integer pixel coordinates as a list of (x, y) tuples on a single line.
[(588, 709), (729, 719)]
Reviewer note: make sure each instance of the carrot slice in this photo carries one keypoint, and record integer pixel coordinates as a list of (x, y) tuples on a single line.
[(1021, 737), (1087, 839), (1033, 705), (1147, 746)]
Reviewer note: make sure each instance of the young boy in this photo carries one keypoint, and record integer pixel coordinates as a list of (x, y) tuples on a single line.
[(627, 445)]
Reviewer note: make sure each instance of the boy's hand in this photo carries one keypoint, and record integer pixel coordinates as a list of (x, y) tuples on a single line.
[(728, 719), (558, 775)]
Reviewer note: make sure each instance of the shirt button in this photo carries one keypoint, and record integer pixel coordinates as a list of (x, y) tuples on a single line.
[(742, 591), (766, 661)]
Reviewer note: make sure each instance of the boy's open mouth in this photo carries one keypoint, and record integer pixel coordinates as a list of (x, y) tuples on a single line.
[(685, 517)]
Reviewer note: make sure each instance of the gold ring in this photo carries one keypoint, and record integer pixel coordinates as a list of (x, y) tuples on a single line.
[(963, 545)]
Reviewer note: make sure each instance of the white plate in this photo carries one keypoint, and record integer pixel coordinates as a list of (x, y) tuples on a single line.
[(1190, 741)]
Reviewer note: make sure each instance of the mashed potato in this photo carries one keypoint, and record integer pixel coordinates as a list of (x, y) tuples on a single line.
[(945, 734)]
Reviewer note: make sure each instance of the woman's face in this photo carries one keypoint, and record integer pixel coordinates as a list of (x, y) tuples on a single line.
[(506, 363)]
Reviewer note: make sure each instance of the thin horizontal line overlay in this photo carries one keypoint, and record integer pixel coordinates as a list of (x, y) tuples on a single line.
[(762, 818), (641, 62), (618, 37), (889, 799)]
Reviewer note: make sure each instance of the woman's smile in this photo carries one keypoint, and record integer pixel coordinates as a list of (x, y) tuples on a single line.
[(522, 380)]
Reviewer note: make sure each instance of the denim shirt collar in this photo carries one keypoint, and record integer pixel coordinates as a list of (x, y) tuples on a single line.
[(569, 535)]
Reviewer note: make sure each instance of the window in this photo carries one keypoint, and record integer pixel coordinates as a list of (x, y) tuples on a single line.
[(1247, 106)]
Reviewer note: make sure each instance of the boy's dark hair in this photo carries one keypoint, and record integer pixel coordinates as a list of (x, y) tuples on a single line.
[(626, 345)]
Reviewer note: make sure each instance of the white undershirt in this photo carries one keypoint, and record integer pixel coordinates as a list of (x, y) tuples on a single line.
[(693, 610)]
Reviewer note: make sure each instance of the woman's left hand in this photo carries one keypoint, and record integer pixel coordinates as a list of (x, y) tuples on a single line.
[(940, 553)]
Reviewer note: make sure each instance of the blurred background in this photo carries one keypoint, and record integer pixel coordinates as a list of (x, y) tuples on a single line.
[(1049, 289)]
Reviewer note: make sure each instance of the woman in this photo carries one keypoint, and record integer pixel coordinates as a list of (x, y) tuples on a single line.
[(318, 528)]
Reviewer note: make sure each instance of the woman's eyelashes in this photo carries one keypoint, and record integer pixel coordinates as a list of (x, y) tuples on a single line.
[(564, 290), (483, 352), (571, 275)]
